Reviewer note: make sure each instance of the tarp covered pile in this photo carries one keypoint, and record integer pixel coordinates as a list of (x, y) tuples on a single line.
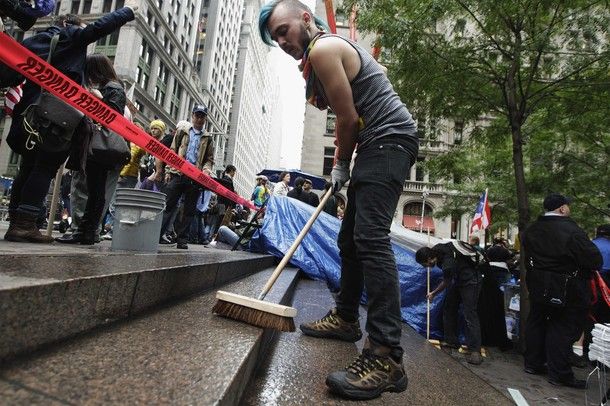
[(318, 256)]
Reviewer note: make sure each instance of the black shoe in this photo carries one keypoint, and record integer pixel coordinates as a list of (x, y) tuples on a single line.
[(333, 326), (574, 383), (182, 245), (579, 361), (534, 371), (73, 238), (474, 358), (368, 377), (89, 238), (449, 345), (164, 239)]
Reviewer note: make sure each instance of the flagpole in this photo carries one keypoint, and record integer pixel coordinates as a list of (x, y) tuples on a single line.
[(424, 194)]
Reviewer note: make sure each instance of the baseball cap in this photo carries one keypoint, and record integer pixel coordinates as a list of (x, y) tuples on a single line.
[(308, 181), (263, 177), (555, 201), (200, 108)]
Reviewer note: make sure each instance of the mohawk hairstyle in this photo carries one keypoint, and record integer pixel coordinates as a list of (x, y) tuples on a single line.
[(267, 10)]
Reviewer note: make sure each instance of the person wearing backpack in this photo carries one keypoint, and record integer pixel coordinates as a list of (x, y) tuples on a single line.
[(459, 262), (38, 167)]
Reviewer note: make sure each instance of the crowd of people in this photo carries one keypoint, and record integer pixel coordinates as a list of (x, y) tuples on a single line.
[(560, 263), (372, 121), (192, 214)]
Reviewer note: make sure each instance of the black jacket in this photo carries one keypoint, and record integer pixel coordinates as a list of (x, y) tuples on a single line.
[(69, 58), (227, 182), (558, 244), (455, 266)]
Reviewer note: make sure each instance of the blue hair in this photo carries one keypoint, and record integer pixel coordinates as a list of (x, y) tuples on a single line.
[(267, 10)]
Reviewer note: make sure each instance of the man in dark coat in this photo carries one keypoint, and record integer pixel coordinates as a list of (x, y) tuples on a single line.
[(555, 247), (38, 168)]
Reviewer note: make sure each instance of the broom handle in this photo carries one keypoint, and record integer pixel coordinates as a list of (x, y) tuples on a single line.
[(428, 306), (278, 269)]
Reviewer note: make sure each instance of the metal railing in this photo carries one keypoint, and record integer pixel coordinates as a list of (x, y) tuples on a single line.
[(433, 145), (413, 186)]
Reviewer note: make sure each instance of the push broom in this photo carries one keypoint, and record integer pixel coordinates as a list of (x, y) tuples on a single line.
[(257, 312)]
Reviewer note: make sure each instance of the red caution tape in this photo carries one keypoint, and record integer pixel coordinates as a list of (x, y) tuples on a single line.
[(40, 72)]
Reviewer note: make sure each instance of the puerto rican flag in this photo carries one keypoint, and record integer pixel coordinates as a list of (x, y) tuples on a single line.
[(482, 216)]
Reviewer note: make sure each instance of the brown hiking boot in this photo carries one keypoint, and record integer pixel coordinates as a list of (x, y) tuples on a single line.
[(333, 326), (369, 376), (22, 228)]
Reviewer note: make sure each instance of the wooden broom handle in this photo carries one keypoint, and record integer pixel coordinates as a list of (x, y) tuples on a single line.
[(280, 267)]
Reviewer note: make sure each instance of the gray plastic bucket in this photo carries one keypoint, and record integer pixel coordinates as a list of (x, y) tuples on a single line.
[(137, 222), (140, 194)]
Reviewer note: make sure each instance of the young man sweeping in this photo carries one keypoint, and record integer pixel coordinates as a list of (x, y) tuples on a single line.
[(339, 74)]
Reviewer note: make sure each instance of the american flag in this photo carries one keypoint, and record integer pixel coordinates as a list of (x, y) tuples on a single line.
[(11, 98), (482, 215)]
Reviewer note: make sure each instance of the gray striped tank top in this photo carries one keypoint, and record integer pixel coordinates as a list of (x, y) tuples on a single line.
[(377, 103)]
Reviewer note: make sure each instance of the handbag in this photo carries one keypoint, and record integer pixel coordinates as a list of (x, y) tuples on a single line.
[(50, 122), (107, 148), (550, 288)]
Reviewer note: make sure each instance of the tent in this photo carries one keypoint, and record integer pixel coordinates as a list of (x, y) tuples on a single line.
[(273, 175), (318, 256)]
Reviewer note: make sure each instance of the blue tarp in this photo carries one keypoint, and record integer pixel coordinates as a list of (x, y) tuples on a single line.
[(318, 257)]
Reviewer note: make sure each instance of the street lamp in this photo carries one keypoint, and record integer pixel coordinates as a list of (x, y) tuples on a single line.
[(424, 194)]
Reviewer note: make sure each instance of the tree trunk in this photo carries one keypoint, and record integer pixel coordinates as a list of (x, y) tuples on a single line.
[(516, 117)]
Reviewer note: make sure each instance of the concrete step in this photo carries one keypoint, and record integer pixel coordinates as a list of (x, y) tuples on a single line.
[(50, 295), (178, 354), (295, 371)]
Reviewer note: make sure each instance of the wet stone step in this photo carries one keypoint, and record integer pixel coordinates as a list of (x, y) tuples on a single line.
[(179, 354), (295, 370), (45, 298)]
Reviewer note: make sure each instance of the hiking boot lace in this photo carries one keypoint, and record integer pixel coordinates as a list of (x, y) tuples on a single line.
[(329, 318), (364, 364)]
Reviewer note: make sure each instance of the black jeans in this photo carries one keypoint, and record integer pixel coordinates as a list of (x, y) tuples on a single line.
[(179, 185), (468, 295), (32, 182), (367, 259), (549, 335), (96, 197)]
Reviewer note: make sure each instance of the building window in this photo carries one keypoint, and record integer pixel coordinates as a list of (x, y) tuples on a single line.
[(329, 160), (175, 102), (421, 128), (143, 69), (109, 40), (331, 123), (57, 7), (414, 209), (458, 131), (75, 6), (419, 170), (119, 4), (87, 7), (107, 6)]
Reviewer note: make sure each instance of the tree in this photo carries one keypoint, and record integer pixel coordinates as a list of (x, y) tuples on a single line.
[(523, 64), (535, 71)]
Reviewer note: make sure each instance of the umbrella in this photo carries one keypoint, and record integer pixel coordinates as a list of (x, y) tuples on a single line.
[(273, 175)]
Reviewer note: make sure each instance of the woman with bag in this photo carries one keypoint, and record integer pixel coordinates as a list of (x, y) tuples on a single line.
[(100, 74), (39, 163)]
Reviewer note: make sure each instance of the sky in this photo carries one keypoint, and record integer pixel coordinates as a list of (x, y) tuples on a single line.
[(292, 94)]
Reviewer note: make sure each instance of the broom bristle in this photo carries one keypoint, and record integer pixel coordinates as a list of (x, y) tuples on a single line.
[(253, 317)]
